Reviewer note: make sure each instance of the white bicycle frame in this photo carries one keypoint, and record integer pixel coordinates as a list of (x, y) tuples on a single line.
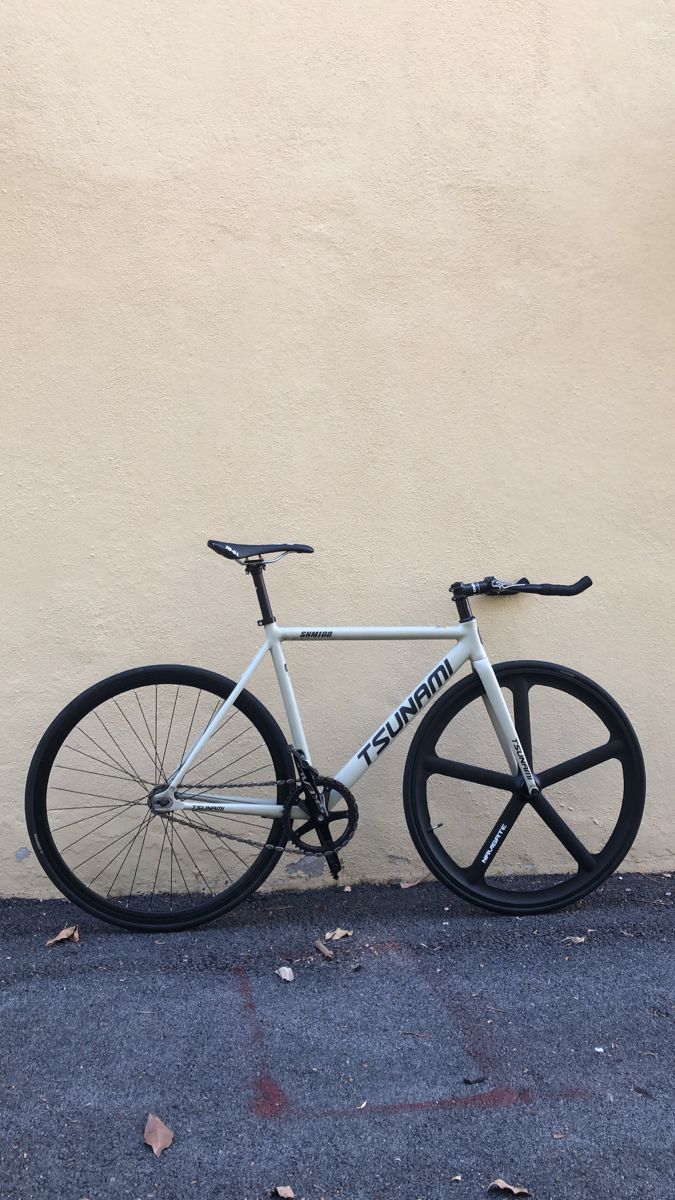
[(468, 648)]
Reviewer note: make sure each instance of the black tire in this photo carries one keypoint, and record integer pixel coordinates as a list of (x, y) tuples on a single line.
[(611, 826), (80, 746)]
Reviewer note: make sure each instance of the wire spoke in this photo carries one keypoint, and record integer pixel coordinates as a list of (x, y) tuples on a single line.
[(247, 775), (132, 774), (81, 807), (434, 765), (113, 739), (88, 771), (59, 828), (582, 762), (219, 703), (120, 851), (140, 854), (154, 741), (94, 795), (208, 847), (185, 882), (135, 733), (245, 865), (103, 824), (172, 853), (166, 743), (197, 869), (260, 746), (198, 765), (192, 720), (101, 849), (129, 849), (159, 859)]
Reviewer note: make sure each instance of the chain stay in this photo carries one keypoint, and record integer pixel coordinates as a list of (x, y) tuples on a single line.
[(298, 785), (235, 837)]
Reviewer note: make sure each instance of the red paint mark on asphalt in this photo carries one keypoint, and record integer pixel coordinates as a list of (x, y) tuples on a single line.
[(270, 1100), (246, 991), (499, 1097), (476, 1042)]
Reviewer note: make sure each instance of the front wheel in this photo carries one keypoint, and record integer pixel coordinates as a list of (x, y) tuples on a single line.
[(472, 821), (90, 784)]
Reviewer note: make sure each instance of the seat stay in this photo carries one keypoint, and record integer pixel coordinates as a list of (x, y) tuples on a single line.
[(217, 718)]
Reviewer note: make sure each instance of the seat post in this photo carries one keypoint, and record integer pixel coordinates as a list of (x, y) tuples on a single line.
[(256, 570)]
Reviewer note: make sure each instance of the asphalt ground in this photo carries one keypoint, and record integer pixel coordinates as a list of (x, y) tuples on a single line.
[(440, 1041)]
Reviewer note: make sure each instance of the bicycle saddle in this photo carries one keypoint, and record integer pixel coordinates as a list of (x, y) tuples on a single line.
[(239, 552)]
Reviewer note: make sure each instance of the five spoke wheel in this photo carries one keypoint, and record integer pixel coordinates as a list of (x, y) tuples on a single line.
[(474, 822)]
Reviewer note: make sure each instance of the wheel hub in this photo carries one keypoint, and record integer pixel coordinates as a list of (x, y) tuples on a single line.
[(160, 799)]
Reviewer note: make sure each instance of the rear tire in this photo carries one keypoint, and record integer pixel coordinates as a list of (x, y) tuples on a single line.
[(103, 755)]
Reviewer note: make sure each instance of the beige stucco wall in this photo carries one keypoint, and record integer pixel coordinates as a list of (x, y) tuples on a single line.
[(395, 279)]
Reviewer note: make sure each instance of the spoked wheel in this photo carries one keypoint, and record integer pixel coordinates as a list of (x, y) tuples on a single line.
[(471, 820), (92, 776)]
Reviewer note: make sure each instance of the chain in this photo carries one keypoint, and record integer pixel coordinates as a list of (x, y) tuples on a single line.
[(233, 837), (192, 787)]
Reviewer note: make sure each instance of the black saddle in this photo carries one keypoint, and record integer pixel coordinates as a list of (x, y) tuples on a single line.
[(241, 553)]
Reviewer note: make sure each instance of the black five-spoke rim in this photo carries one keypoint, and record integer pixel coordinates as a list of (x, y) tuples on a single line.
[(620, 745)]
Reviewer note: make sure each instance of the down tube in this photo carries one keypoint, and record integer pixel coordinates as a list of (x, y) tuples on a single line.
[(405, 713)]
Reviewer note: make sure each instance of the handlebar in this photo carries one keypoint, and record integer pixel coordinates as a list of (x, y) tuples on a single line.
[(490, 586)]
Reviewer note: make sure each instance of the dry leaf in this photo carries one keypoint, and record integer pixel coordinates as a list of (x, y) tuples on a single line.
[(576, 941), (69, 934), (286, 1192), (324, 949), (514, 1188), (407, 883), (335, 935), (157, 1135), (285, 973), (362, 1105)]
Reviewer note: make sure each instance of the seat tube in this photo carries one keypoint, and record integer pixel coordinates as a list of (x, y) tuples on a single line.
[(286, 689)]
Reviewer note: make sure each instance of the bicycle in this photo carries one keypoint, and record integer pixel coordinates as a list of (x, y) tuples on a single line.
[(191, 791)]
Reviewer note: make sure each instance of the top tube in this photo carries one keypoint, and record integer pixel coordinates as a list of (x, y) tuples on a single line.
[(366, 633)]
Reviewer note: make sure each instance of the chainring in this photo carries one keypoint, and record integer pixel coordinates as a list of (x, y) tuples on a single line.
[(347, 813)]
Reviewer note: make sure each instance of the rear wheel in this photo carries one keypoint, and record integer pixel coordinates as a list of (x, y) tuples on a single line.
[(474, 824), (88, 790)]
